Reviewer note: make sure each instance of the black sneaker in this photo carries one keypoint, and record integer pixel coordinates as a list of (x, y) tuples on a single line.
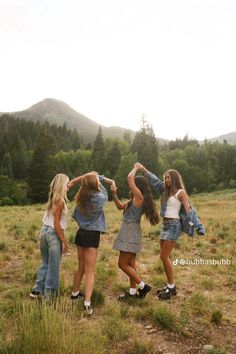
[(143, 292), (168, 293), (126, 296), (161, 290), (88, 310), (34, 293), (79, 296)]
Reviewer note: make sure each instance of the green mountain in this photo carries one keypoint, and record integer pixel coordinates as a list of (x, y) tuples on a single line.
[(58, 112)]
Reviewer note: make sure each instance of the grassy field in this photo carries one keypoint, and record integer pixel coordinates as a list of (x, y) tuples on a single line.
[(203, 312)]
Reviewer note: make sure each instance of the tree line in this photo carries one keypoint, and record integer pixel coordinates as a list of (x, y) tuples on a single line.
[(32, 153)]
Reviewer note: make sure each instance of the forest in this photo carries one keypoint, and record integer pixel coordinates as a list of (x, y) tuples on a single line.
[(31, 153)]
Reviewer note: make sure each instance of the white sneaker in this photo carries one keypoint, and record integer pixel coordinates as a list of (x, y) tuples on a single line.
[(88, 310)]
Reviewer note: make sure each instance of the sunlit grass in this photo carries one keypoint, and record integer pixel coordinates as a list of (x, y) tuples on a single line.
[(205, 292)]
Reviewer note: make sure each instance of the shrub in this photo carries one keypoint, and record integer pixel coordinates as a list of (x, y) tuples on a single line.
[(199, 304), (216, 317), (98, 298), (141, 347), (115, 329), (3, 246), (164, 318), (6, 201)]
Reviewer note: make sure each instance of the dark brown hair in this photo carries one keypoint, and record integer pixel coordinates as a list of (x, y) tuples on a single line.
[(150, 209)]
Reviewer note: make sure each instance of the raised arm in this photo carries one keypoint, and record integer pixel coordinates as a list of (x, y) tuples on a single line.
[(108, 181), (117, 201), (74, 181), (154, 181), (140, 167), (137, 195)]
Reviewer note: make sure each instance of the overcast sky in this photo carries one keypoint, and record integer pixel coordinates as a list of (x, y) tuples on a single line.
[(112, 60)]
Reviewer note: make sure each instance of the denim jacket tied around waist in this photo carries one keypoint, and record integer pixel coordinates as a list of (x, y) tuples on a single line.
[(189, 221)]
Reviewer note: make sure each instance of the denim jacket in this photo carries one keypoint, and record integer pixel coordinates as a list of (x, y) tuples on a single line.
[(189, 221), (159, 187), (96, 219)]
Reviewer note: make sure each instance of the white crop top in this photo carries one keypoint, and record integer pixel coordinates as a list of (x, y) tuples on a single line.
[(48, 219), (173, 206)]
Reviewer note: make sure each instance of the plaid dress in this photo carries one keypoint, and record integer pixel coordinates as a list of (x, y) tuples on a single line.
[(129, 238)]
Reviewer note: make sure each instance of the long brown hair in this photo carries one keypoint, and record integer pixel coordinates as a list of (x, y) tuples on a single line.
[(149, 206), (89, 186), (176, 183)]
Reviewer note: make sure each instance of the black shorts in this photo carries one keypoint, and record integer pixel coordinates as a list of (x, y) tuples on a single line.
[(87, 238)]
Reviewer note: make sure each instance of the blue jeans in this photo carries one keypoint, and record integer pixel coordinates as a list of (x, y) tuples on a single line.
[(48, 273)]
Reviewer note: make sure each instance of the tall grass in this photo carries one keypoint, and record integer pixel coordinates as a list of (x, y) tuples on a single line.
[(43, 328)]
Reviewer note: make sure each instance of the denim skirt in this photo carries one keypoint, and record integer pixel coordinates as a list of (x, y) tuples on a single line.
[(171, 230)]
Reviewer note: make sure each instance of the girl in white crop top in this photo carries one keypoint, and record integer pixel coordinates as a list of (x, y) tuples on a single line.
[(173, 195), (52, 239), (48, 218), (173, 206)]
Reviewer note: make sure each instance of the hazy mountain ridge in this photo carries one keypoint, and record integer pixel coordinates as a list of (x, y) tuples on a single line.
[(58, 112), (230, 138)]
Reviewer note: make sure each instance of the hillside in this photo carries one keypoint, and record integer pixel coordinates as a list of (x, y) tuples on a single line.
[(230, 138), (58, 112)]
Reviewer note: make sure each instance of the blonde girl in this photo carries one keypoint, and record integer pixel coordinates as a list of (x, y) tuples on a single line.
[(52, 238)]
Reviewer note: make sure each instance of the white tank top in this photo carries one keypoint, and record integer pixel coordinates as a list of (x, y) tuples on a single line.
[(48, 219), (173, 206)]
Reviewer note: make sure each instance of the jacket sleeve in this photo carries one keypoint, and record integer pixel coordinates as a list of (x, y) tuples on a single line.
[(190, 221), (155, 182), (101, 178), (197, 224)]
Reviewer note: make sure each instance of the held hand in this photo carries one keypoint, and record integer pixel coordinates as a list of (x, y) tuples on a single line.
[(64, 247), (69, 186), (113, 188), (113, 183), (138, 166)]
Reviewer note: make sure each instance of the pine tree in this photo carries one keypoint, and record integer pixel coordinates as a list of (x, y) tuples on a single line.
[(41, 170), (98, 152), (112, 161), (6, 166), (20, 159), (145, 144), (125, 166), (127, 136)]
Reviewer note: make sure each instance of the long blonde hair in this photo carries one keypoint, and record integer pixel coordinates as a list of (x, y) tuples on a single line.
[(89, 186), (176, 182), (57, 192)]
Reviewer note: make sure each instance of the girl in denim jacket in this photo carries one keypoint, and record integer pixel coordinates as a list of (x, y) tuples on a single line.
[(173, 196), (89, 215)]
